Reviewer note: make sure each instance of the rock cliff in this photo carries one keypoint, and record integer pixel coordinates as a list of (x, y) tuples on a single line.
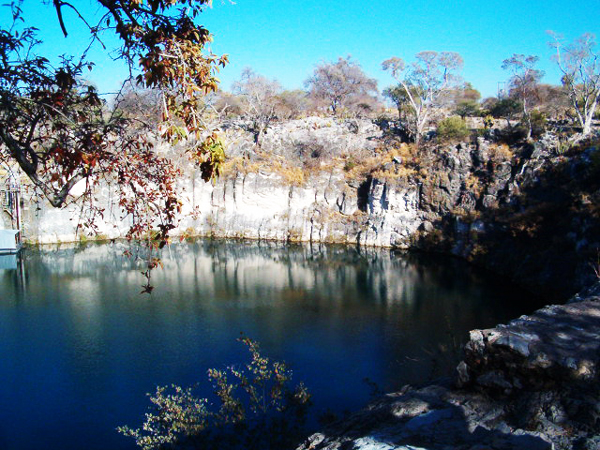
[(264, 203), (528, 211)]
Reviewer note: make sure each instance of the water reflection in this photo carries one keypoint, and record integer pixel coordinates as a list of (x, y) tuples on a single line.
[(80, 346)]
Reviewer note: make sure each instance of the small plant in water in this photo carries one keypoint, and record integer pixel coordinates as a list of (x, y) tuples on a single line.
[(256, 408)]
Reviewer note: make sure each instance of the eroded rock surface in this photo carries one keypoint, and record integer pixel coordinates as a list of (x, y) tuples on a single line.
[(530, 384), (557, 344)]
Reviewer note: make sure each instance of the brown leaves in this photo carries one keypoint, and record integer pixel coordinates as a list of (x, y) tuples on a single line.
[(61, 133)]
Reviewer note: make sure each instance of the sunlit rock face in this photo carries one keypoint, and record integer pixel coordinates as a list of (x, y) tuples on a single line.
[(327, 206), (262, 206)]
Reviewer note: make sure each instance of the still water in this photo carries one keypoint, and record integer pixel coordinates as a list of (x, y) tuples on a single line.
[(80, 347)]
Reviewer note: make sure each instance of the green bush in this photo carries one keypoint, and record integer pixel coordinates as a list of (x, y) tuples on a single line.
[(468, 108), (539, 123), (452, 129), (256, 408)]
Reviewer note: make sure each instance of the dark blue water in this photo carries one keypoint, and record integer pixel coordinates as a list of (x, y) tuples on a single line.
[(80, 347)]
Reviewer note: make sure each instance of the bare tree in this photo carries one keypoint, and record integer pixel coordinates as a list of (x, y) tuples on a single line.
[(579, 65), (291, 104), (524, 83), (553, 101), (226, 105), (259, 99), (343, 86), (425, 82)]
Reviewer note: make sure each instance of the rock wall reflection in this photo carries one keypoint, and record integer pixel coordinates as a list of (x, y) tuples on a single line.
[(80, 346)]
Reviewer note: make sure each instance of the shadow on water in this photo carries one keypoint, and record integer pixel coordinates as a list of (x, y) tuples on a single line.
[(82, 347)]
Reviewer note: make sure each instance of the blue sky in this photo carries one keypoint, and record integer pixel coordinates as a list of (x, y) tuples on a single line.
[(285, 39)]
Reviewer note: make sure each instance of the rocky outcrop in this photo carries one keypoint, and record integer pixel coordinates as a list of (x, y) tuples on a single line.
[(556, 345), (527, 211), (262, 206), (433, 417), (530, 384), (327, 206)]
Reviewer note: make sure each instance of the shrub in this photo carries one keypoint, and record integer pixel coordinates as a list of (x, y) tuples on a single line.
[(500, 153), (257, 409), (452, 129), (539, 123)]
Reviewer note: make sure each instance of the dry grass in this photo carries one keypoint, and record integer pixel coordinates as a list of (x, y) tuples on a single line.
[(473, 184), (239, 165), (265, 163), (384, 165), (500, 153), (291, 175)]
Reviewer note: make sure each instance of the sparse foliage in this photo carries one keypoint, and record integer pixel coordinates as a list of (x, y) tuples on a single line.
[(578, 62), (553, 101), (60, 133), (425, 82), (257, 408), (226, 105), (291, 104), (344, 87), (259, 97), (523, 84)]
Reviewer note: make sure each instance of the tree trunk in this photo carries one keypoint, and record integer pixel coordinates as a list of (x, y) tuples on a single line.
[(589, 117)]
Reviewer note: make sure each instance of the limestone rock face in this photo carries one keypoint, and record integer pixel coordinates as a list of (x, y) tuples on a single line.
[(325, 209), (434, 417), (261, 206), (527, 212)]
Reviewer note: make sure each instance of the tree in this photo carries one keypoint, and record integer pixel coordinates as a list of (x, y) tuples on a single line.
[(398, 97), (425, 82), (291, 104), (142, 106), (466, 93), (343, 86), (60, 133), (225, 104), (259, 99), (579, 65), (452, 129), (553, 101), (467, 108), (506, 108), (466, 100), (523, 83)]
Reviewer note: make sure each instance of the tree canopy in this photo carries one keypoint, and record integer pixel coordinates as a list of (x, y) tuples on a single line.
[(578, 63), (425, 83), (524, 83), (60, 133), (343, 86)]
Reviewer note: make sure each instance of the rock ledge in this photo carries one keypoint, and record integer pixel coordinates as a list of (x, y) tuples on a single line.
[(530, 384)]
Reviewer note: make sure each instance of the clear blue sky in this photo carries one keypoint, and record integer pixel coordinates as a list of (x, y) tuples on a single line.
[(285, 39)]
